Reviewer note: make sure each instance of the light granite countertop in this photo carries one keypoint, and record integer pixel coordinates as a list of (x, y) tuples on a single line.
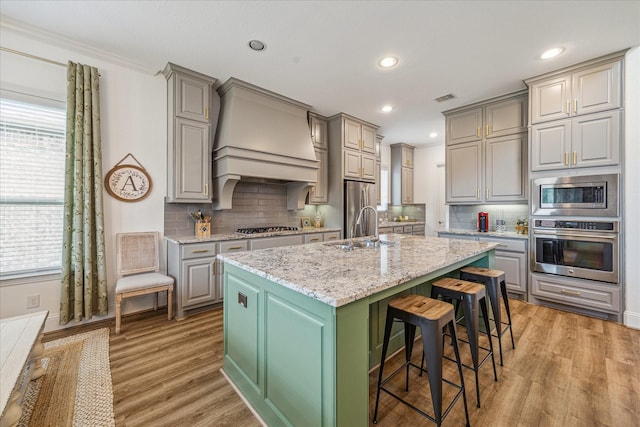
[(475, 233), (241, 236), (338, 277)]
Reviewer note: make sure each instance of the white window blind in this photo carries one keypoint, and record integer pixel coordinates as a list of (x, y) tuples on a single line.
[(32, 156)]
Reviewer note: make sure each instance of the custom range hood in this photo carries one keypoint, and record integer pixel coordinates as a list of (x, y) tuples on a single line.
[(262, 136)]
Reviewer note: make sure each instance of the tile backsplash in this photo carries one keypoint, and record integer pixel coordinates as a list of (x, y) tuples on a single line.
[(466, 217), (254, 204)]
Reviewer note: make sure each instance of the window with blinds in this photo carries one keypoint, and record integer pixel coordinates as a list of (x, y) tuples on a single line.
[(32, 161)]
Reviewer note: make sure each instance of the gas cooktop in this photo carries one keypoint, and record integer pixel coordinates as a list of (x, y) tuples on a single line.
[(257, 230)]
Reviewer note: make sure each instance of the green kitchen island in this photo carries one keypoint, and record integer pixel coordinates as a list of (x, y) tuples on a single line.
[(303, 324)]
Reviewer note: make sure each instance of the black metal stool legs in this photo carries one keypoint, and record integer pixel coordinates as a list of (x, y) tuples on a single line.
[(385, 345), (505, 297)]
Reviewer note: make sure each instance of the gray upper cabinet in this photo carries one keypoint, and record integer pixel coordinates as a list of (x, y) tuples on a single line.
[(189, 135), (592, 89), (401, 174), (356, 140), (489, 119), (585, 141), (319, 192), (488, 163), (576, 115)]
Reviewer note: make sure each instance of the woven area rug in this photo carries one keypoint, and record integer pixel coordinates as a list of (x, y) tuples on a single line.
[(76, 389)]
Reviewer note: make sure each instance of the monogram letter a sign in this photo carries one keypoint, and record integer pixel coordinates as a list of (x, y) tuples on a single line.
[(128, 183)]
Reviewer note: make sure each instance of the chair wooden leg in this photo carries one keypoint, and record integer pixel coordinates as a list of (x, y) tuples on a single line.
[(155, 301), (118, 301), (169, 304)]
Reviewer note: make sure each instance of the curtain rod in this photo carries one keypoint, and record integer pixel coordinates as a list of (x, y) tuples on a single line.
[(28, 55)]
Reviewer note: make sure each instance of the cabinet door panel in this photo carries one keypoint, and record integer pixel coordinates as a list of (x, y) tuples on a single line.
[(352, 164), (506, 117), (368, 167), (514, 268), (407, 185), (198, 281), (352, 135), (550, 145), (368, 140), (506, 168), (192, 98), (596, 140), (549, 99), (192, 160), (318, 193), (464, 126), (464, 165), (597, 89)]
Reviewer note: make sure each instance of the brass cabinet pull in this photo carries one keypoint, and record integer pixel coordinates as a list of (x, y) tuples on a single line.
[(332, 238), (575, 105), (575, 293), (200, 251), (315, 239), (575, 157), (566, 158), (235, 248), (487, 130), (478, 193), (478, 132), (568, 110), (215, 270), (487, 193), (206, 189), (206, 113)]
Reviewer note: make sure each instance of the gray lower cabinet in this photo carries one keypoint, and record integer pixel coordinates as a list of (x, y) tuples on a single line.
[(511, 257), (199, 275), (193, 267), (586, 294)]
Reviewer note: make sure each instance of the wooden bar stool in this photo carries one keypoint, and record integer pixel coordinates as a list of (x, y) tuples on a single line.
[(472, 296), (493, 280), (431, 316)]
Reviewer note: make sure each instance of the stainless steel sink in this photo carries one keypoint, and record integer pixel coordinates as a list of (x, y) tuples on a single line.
[(346, 246)]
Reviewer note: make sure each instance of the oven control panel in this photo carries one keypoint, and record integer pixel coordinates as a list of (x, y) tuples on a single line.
[(577, 225)]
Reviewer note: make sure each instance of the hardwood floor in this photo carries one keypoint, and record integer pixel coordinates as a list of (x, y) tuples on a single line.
[(566, 370)]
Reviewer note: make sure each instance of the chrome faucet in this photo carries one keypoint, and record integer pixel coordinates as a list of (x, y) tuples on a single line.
[(375, 212)]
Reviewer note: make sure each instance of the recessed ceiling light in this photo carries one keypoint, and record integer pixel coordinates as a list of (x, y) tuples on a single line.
[(433, 134), (388, 62), (386, 108), (257, 45), (552, 53)]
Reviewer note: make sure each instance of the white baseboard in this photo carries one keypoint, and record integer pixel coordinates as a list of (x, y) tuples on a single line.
[(631, 319)]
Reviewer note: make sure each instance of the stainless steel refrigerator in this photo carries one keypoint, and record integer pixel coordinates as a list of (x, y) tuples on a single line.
[(356, 196)]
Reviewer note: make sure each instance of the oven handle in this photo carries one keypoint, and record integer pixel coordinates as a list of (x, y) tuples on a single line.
[(549, 233)]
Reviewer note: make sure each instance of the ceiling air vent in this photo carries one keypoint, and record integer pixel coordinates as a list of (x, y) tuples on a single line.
[(445, 97)]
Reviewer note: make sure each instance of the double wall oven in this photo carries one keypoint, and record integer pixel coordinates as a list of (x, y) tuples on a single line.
[(575, 238)]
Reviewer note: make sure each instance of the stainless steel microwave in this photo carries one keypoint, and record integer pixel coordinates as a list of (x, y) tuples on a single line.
[(584, 195)]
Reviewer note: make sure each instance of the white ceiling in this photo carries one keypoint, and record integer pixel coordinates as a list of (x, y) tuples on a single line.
[(324, 53)]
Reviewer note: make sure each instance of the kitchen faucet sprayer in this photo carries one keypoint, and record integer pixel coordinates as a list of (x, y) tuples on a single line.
[(359, 218)]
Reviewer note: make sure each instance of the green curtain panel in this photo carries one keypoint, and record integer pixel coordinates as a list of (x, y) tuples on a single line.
[(84, 279)]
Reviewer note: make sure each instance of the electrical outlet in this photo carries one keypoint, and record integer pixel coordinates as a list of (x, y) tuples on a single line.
[(33, 301)]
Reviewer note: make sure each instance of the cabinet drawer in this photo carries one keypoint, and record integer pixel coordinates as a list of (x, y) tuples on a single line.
[(418, 228), (233, 246), (579, 293), (507, 244), (332, 235), (313, 238), (385, 230), (407, 229), (198, 250), (399, 230)]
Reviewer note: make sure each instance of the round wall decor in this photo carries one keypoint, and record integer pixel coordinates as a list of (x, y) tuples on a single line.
[(128, 183)]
